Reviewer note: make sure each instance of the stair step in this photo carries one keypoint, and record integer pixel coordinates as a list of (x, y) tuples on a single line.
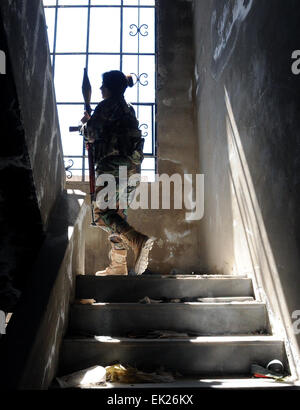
[(202, 383), (133, 288), (208, 356), (118, 319)]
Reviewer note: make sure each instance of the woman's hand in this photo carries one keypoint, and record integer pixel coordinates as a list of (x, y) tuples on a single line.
[(86, 117)]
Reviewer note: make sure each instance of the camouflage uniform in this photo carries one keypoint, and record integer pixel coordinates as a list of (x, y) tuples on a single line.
[(118, 142)]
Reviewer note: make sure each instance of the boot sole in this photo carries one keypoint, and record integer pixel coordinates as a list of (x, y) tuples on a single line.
[(142, 261), (111, 274), (104, 273)]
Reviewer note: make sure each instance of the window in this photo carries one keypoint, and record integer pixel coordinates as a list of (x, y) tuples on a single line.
[(102, 35)]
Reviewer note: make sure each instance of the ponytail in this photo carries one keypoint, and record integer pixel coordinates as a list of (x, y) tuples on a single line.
[(129, 80)]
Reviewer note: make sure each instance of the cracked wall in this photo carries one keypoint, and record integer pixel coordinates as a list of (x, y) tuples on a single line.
[(248, 130), (31, 164)]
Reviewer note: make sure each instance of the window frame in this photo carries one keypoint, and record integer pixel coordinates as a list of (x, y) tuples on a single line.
[(136, 104)]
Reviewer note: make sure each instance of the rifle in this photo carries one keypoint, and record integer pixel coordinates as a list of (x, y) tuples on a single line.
[(87, 93)]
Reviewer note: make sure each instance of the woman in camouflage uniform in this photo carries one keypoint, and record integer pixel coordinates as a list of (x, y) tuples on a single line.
[(113, 130)]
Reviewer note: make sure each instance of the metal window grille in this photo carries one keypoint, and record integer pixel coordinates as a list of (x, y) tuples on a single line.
[(102, 35)]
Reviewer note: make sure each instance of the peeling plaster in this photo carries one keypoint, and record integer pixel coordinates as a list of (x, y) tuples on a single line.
[(170, 160), (228, 21), (160, 243), (168, 102), (175, 236)]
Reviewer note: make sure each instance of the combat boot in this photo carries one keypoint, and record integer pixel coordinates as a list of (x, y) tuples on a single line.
[(118, 263), (141, 246), (139, 243)]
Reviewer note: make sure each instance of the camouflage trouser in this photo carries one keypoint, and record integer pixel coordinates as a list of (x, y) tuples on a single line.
[(104, 216)]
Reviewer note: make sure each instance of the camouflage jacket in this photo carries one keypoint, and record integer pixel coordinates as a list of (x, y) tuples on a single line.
[(115, 129)]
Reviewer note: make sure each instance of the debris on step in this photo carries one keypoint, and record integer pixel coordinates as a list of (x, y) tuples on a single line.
[(93, 376), (121, 374), (275, 366), (84, 301), (258, 371), (147, 300)]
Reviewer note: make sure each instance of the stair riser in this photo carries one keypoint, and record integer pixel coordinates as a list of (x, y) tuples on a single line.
[(118, 320), (132, 289), (209, 359)]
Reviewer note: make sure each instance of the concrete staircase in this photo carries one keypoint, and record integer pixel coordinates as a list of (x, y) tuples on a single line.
[(227, 329)]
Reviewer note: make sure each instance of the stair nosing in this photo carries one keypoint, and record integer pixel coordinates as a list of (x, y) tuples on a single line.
[(134, 305), (142, 277), (197, 340)]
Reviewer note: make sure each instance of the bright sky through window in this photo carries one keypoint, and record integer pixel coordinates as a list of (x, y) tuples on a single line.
[(102, 35)]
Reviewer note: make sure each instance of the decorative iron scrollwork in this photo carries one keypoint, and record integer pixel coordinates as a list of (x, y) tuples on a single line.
[(145, 126), (139, 30), (67, 169), (139, 78)]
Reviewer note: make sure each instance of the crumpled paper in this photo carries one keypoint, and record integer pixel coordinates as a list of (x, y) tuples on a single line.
[(119, 373), (91, 376)]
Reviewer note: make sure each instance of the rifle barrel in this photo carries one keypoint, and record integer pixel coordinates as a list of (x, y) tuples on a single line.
[(75, 129)]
